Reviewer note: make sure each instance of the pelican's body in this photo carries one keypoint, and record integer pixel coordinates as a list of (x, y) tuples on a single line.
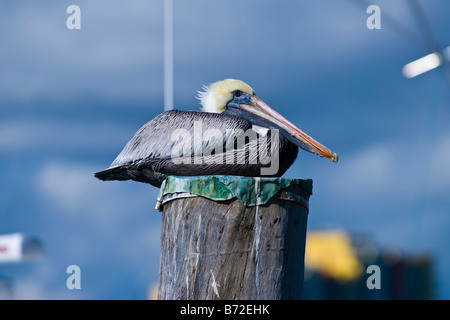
[(225, 139)]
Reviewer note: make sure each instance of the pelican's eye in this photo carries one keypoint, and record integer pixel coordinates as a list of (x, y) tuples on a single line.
[(237, 93)]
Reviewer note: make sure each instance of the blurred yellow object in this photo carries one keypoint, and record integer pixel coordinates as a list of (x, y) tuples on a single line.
[(331, 253), (152, 293)]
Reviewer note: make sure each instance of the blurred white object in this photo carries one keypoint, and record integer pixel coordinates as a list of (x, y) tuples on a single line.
[(427, 63), (17, 247)]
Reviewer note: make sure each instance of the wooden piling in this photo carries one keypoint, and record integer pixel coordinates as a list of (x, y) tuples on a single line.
[(225, 250)]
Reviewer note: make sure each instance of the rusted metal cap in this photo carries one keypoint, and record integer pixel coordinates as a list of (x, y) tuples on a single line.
[(250, 190)]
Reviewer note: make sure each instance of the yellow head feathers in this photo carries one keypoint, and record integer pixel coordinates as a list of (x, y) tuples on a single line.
[(215, 96)]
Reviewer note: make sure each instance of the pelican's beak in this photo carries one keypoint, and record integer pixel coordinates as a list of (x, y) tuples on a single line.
[(297, 136)]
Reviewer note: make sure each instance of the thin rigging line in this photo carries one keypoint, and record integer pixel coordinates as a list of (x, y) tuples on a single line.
[(434, 44)]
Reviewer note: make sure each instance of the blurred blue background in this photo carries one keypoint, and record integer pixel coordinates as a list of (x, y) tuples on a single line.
[(71, 99)]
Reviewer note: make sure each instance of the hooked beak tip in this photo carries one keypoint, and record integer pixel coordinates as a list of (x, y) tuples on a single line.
[(335, 157)]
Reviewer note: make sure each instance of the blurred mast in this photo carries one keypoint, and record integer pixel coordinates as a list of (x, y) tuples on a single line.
[(168, 55), (440, 54)]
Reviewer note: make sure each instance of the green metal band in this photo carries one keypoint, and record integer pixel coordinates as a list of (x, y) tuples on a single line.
[(250, 190)]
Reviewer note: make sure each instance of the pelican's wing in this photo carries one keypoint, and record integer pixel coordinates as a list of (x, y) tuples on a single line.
[(172, 133), (175, 142)]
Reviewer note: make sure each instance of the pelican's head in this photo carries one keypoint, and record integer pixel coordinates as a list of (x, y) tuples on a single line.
[(235, 97), (217, 95)]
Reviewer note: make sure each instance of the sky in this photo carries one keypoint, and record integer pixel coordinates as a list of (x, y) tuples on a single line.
[(71, 99)]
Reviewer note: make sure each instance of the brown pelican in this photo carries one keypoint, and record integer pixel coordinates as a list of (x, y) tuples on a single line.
[(236, 134)]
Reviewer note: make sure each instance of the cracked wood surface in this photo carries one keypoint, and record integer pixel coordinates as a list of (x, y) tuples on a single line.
[(224, 250)]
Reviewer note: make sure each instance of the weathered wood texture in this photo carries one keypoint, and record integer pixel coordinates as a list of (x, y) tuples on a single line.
[(224, 250)]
